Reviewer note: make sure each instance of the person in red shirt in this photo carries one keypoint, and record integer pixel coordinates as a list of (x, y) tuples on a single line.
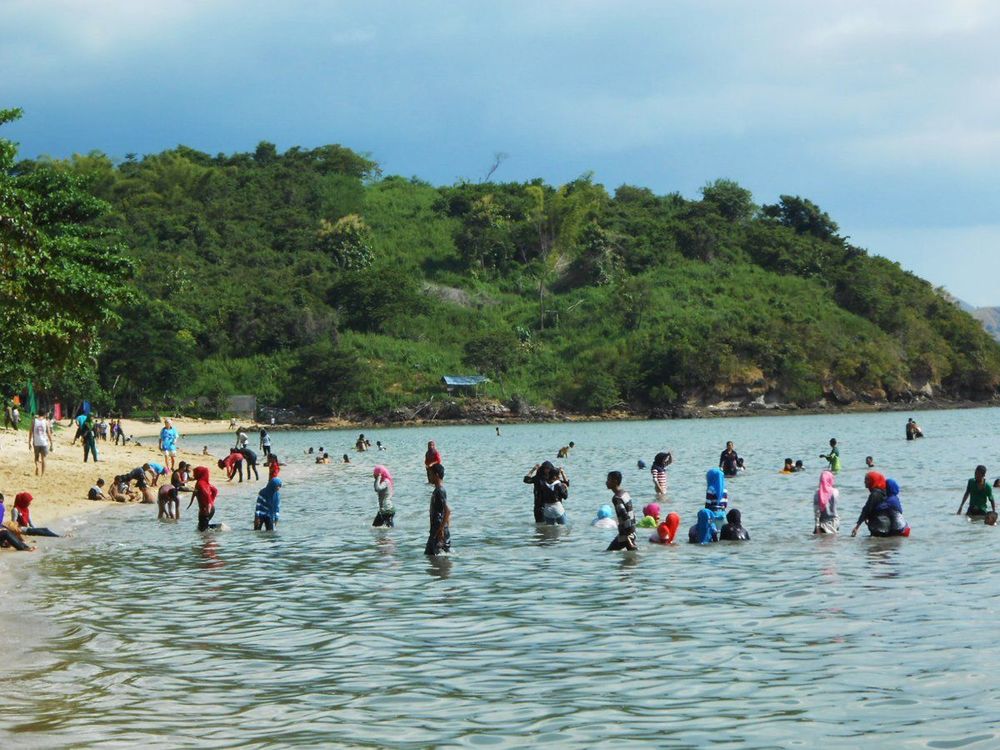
[(273, 467), (431, 458), (205, 493), (233, 464)]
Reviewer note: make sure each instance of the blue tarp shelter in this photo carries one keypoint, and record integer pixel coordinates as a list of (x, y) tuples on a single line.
[(463, 382)]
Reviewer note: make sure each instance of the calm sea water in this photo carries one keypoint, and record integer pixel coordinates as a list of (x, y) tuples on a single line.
[(331, 633)]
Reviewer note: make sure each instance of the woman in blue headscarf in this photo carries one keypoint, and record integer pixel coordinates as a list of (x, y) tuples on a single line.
[(268, 505), (703, 532), (893, 508), (716, 498)]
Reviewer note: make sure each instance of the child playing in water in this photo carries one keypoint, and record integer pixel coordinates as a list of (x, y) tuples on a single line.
[(205, 493), (273, 466), (650, 516), (439, 537), (667, 530), (268, 506), (169, 505), (977, 492), (788, 468), (383, 487), (622, 503), (659, 472), (833, 457)]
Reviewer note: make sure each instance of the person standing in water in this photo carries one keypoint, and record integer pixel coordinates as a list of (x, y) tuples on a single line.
[(383, 489), (659, 471), (977, 491), (825, 518), (622, 502), (913, 430), (439, 536), (729, 460), (431, 458), (537, 477), (205, 493), (833, 457), (268, 507)]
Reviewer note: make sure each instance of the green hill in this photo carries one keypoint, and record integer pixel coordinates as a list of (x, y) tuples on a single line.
[(310, 280)]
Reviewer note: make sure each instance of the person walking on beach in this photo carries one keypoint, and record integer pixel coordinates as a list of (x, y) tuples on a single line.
[(89, 437), (40, 441), (432, 458), (168, 443), (729, 460), (439, 537), (622, 503)]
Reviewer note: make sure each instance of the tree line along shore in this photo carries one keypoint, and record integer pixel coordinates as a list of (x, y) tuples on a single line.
[(306, 278)]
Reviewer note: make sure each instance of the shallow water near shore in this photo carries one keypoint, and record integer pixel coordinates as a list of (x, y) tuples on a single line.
[(331, 633)]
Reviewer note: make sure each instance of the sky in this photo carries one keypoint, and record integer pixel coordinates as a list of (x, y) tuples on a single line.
[(886, 114)]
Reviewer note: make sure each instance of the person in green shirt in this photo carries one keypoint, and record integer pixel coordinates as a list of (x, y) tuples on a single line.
[(833, 457), (977, 492)]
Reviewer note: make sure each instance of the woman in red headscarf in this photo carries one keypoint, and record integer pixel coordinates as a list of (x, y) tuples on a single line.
[(875, 484), (205, 493), (667, 530), (21, 515)]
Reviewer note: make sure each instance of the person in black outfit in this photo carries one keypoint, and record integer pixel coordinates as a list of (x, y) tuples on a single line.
[(250, 458), (732, 530), (728, 460), (536, 477)]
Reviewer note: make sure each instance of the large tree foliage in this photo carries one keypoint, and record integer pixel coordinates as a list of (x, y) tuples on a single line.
[(63, 274)]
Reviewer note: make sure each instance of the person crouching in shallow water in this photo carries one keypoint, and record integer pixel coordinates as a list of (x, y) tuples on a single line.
[(268, 506), (383, 490), (650, 516), (667, 530), (883, 512), (439, 536), (703, 531), (622, 503), (733, 530), (605, 518), (825, 518)]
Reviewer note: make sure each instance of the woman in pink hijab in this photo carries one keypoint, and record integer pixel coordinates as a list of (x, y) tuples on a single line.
[(825, 518), (383, 488)]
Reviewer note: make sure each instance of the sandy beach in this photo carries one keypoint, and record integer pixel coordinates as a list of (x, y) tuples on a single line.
[(62, 492)]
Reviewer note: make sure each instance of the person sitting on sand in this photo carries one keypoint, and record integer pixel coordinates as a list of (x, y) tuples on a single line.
[(622, 502), (564, 451), (268, 507), (733, 530), (977, 492), (703, 531), (118, 491), (232, 464), (10, 532), (21, 515), (650, 516), (667, 530), (605, 518), (383, 487), (97, 491)]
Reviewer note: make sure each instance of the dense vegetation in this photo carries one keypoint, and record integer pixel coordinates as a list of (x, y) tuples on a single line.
[(310, 280)]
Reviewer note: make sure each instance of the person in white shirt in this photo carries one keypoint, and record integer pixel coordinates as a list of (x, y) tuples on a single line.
[(40, 440)]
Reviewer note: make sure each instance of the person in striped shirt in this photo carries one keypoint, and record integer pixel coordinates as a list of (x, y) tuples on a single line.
[(659, 472)]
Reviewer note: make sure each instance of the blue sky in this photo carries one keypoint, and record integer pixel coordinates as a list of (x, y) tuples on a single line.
[(886, 114)]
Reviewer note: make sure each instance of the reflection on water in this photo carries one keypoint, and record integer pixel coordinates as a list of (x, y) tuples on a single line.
[(331, 633)]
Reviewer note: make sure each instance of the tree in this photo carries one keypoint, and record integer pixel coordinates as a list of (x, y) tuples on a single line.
[(804, 216), (494, 353), (61, 273), (734, 203), (347, 240)]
